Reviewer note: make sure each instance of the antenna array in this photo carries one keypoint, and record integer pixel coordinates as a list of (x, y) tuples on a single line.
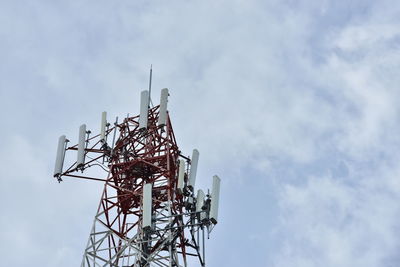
[(149, 213)]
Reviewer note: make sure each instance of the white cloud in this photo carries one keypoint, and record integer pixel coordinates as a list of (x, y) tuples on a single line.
[(327, 221), (364, 36)]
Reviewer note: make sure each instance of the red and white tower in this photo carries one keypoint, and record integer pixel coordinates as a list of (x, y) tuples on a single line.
[(149, 213)]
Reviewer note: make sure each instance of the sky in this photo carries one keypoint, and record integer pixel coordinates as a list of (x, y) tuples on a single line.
[(294, 104)]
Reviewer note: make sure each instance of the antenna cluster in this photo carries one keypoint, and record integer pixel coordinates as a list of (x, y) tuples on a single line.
[(150, 213)]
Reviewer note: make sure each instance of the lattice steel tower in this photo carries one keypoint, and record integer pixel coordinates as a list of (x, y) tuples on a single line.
[(149, 213)]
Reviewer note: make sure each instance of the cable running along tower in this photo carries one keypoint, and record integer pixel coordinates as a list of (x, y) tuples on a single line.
[(149, 213)]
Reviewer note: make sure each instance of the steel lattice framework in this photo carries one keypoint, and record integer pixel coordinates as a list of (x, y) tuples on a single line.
[(131, 157)]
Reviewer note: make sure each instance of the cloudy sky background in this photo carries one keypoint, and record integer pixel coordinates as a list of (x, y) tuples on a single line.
[(293, 103)]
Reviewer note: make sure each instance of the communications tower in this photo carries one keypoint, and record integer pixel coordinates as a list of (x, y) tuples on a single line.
[(150, 213)]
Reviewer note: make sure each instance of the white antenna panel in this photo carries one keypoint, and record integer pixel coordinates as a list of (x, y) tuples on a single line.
[(103, 126), (193, 168), (147, 203), (181, 176), (162, 117), (200, 200), (215, 199), (199, 205), (190, 200), (144, 109), (60, 156), (81, 145)]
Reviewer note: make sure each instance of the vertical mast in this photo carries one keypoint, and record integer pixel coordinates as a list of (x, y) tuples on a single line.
[(150, 80)]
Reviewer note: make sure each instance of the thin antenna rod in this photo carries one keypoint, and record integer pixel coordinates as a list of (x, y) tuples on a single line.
[(151, 77)]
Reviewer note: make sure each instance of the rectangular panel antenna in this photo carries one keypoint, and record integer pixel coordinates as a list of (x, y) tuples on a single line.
[(181, 176), (103, 126), (81, 145), (200, 204), (193, 169), (144, 109), (215, 199), (162, 117), (199, 200), (60, 156), (147, 203)]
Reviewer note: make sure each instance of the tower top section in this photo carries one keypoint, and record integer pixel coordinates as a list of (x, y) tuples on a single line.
[(150, 212)]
